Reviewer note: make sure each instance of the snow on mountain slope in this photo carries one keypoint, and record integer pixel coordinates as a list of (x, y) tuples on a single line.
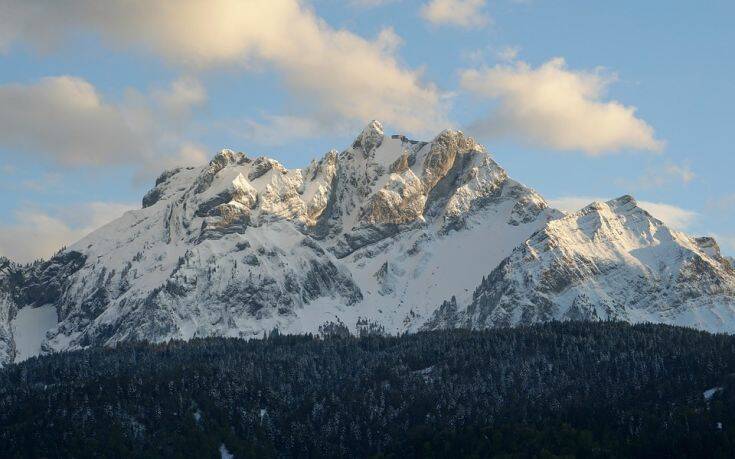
[(608, 261), (29, 330), (371, 236)]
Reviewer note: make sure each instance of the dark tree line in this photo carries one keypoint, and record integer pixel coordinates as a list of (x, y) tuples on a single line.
[(571, 389)]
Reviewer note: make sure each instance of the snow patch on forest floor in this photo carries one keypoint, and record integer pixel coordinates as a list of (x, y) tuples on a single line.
[(224, 453), (29, 330), (709, 393)]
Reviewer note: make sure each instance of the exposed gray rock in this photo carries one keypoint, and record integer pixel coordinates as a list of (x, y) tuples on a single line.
[(370, 240)]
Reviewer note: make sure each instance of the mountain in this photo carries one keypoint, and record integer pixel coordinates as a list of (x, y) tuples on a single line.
[(609, 261), (374, 237)]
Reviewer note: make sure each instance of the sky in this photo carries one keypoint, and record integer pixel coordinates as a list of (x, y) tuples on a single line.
[(580, 100)]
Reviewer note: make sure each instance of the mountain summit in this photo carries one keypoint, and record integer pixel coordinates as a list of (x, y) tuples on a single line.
[(609, 261), (374, 237)]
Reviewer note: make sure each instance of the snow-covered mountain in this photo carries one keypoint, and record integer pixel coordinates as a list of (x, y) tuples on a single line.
[(610, 260), (375, 236)]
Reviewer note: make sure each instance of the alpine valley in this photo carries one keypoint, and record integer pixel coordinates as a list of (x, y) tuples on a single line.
[(390, 235)]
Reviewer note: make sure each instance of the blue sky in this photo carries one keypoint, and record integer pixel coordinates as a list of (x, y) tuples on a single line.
[(580, 100)]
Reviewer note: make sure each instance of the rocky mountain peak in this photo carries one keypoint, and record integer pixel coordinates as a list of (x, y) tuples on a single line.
[(370, 138), (375, 235), (623, 206), (709, 246), (618, 221), (610, 260)]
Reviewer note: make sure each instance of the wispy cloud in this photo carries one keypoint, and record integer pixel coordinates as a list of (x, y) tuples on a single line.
[(727, 244), (554, 107), (508, 53), (461, 13), (371, 3), (38, 233), (660, 176), (65, 118), (279, 130), (67, 121), (723, 203)]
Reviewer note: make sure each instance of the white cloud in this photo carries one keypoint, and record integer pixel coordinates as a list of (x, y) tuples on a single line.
[(660, 176), (39, 234), (461, 13), (508, 53), (66, 120), (338, 71), (480, 56), (554, 107), (183, 95), (47, 182), (727, 244), (278, 130), (682, 172), (64, 117), (371, 3), (673, 216)]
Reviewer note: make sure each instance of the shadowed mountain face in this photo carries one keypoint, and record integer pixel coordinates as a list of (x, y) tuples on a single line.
[(375, 236)]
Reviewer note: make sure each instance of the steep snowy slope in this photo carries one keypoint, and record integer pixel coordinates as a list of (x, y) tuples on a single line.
[(371, 236), (608, 261)]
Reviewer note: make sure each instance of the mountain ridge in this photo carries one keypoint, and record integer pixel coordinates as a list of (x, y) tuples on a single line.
[(375, 236)]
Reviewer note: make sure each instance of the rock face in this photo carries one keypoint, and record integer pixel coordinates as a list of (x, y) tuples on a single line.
[(608, 261), (374, 236), (371, 238), (7, 310)]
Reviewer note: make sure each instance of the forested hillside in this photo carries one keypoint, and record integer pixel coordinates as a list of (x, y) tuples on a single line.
[(557, 389)]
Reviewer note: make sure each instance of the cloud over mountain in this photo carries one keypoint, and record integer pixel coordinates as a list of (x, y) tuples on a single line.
[(65, 119), (554, 107), (38, 233), (348, 75)]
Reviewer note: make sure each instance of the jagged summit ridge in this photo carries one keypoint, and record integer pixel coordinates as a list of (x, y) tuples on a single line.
[(369, 236), (610, 260), (374, 236)]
